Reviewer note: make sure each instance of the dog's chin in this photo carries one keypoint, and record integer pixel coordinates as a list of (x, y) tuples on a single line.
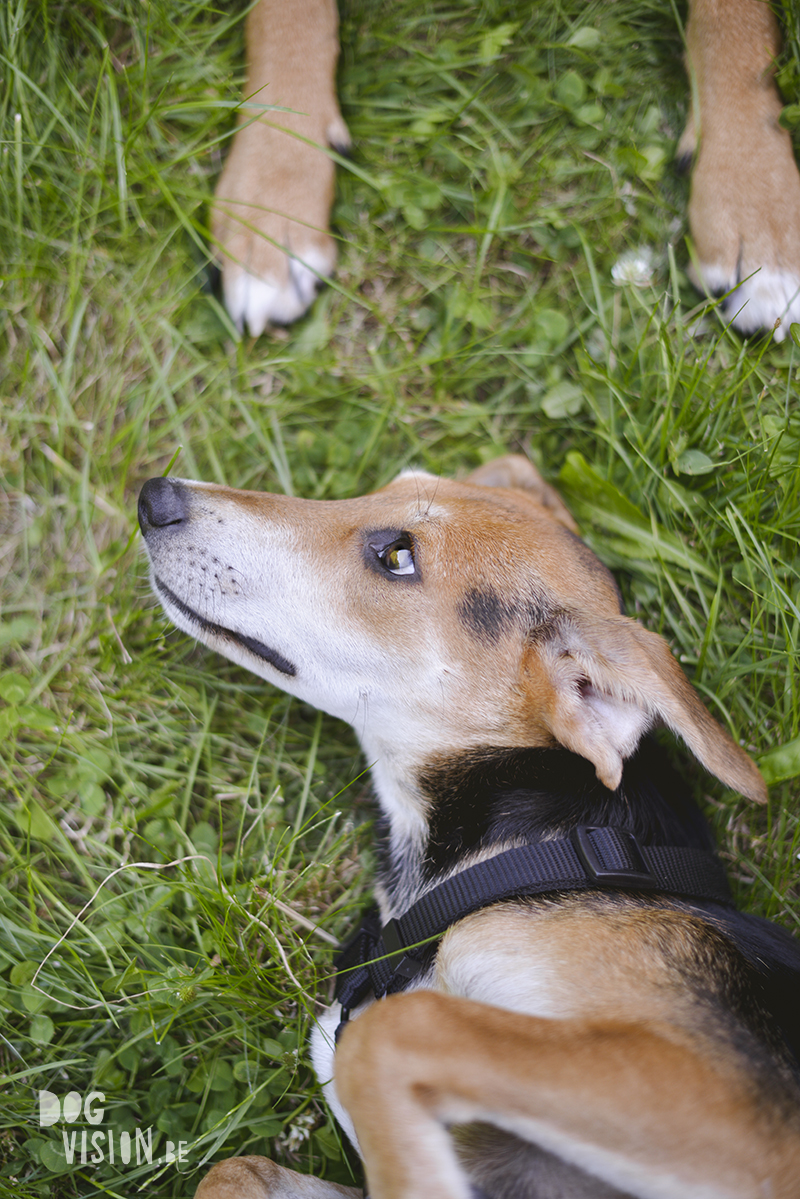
[(226, 641)]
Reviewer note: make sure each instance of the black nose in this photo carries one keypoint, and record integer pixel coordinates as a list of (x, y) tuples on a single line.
[(162, 502)]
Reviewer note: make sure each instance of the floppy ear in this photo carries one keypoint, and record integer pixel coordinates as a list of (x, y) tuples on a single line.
[(518, 473), (606, 681)]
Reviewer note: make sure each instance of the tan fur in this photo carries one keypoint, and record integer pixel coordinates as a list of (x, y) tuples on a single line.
[(594, 1032), (276, 190), (274, 196), (515, 472), (744, 209), (672, 1121), (259, 1178), (620, 967)]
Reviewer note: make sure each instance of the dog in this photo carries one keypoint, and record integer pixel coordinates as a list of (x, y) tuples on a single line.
[(271, 211), (568, 1005)]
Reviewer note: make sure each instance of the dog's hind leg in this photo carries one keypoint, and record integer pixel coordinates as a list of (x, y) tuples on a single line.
[(744, 210), (638, 1106), (273, 200)]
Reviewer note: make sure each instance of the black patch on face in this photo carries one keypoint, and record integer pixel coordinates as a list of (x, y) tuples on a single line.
[(209, 626), (487, 615)]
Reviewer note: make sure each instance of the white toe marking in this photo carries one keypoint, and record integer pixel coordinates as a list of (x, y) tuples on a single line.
[(305, 271), (766, 296), (256, 302)]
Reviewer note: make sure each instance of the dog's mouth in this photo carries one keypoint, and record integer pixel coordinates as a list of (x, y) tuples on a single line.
[(198, 626)]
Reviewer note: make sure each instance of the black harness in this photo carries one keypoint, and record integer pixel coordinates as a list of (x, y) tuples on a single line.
[(383, 959)]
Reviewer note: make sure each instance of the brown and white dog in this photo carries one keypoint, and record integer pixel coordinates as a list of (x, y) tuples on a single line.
[(271, 212), (596, 1043)]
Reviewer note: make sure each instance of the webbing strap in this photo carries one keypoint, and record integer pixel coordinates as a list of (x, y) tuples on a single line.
[(383, 959)]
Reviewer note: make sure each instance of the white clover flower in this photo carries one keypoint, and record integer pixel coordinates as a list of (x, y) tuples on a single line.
[(298, 1132), (635, 267)]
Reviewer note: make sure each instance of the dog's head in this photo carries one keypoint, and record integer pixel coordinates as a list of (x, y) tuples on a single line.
[(434, 616)]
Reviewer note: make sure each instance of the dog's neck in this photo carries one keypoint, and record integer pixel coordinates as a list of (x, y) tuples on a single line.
[(457, 809)]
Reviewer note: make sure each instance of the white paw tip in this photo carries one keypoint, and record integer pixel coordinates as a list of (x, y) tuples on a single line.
[(762, 299), (255, 302)]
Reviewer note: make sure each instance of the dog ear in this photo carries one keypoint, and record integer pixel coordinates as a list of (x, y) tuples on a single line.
[(518, 473), (606, 681)]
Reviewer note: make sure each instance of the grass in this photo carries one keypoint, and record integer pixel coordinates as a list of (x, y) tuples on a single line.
[(171, 825)]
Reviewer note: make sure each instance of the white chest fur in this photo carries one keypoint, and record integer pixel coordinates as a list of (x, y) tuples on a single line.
[(482, 958)]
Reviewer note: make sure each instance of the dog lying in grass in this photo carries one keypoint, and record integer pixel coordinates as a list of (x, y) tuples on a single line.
[(271, 213), (556, 997)]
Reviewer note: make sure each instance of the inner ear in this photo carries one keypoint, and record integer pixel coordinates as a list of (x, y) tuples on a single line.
[(519, 474), (589, 718), (604, 681)]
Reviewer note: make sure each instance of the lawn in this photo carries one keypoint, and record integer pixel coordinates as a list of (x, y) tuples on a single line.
[(180, 845)]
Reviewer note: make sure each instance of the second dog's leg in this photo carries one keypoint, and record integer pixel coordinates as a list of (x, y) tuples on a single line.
[(270, 215), (744, 210)]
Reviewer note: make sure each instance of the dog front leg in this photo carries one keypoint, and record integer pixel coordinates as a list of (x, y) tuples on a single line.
[(272, 204), (641, 1111), (744, 210)]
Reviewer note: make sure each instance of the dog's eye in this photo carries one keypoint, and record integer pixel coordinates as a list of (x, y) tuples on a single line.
[(391, 551), (398, 558)]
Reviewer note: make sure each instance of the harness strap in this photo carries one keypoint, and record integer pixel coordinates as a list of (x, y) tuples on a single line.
[(382, 959)]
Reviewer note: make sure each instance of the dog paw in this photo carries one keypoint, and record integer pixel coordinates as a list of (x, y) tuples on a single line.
[(766, 299), (270, 227), (744, 215), (269, 220), (744, 209)]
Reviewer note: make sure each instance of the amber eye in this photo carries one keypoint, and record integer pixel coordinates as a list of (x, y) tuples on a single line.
[(398, 558)]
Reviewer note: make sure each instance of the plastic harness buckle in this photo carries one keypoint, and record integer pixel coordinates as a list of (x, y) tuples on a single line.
[(408, 967), (612, 857)]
